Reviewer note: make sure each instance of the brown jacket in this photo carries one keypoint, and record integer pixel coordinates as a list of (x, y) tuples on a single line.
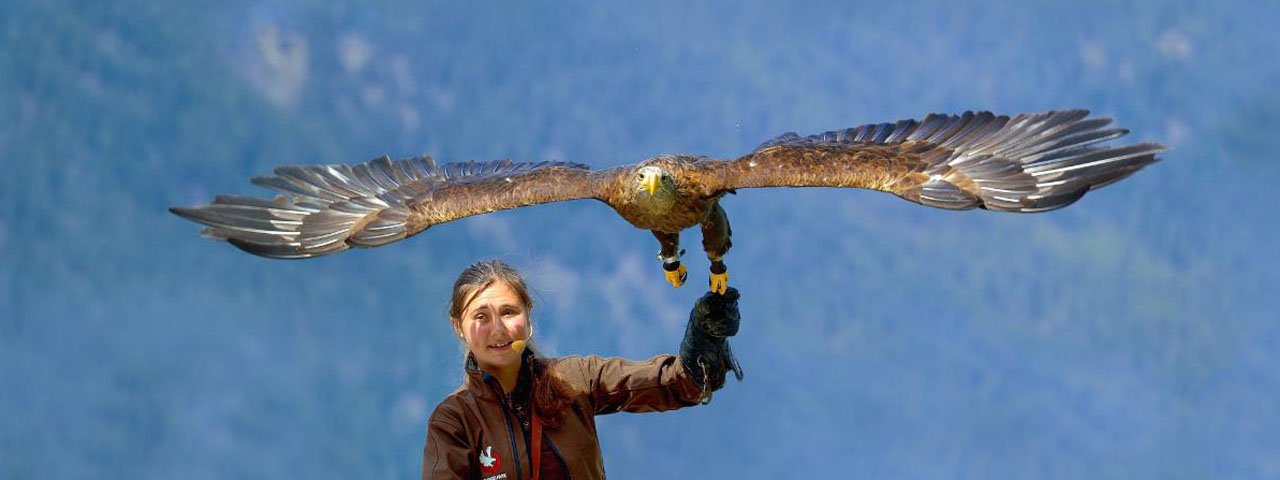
[(473, 433)]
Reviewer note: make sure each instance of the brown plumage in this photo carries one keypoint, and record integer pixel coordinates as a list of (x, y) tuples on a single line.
[(1027, 163)]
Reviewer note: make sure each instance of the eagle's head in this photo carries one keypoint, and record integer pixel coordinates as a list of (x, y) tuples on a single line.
[(653, 184), (654, 181)]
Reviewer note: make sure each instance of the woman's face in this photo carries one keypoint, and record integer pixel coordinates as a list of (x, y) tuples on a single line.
[(494, 318)]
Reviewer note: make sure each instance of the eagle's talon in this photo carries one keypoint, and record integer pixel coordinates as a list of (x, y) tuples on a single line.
[(677, 275), (720, 282)]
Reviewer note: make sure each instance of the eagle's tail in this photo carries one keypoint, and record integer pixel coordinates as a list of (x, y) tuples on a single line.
[(320, 209), (1028, 163)]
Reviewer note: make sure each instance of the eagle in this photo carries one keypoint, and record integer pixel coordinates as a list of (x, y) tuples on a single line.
[(1025, 163)]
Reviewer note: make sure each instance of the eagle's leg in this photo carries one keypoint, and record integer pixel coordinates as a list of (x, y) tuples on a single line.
[(716, 240), (670, 255)]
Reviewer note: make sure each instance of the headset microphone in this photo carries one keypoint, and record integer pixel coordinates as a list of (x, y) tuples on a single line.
[(519, 345)]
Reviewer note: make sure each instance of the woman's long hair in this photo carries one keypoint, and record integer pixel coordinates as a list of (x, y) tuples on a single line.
[(550, 394)]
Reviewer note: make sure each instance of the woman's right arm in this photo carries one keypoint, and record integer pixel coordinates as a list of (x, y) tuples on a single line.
[(447, 453)]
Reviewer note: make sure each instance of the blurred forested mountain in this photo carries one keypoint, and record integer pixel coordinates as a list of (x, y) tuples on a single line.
[(1132, 335)]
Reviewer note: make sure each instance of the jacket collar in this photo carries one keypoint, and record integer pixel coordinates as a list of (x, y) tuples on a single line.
[(485, 385)]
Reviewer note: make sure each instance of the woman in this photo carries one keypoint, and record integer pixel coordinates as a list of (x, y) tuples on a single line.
[(514, 401)]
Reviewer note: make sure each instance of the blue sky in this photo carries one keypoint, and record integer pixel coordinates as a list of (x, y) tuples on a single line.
[(1131, 335)]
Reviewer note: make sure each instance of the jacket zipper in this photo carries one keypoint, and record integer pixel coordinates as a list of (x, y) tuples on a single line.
[(510, 434)]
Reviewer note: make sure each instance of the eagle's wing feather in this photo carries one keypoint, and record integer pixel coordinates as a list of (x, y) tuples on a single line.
[(325, 209), (1027, 163)]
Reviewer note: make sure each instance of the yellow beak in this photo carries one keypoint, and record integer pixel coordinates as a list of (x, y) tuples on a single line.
[(650, 183)]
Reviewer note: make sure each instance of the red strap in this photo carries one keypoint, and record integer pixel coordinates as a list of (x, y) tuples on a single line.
[(536, 455)]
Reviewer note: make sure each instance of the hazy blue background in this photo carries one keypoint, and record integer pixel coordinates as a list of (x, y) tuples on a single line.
[(1133, 335)]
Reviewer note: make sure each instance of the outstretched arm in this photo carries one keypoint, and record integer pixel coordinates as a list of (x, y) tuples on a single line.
[(667, 382), (654, 385)]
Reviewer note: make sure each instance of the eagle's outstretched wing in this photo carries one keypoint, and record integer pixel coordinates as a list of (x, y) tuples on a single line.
[(1028, 163), (325, 209)]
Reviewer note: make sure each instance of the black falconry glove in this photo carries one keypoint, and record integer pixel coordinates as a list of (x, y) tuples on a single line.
[(705, 351)]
